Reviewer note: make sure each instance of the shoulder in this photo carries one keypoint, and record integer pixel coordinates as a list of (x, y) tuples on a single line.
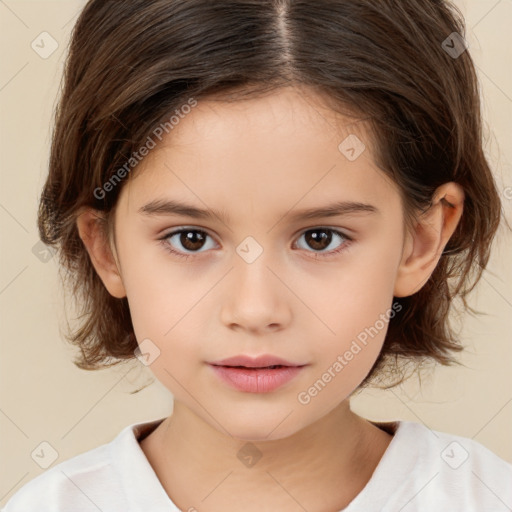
[(88, 481), (454, 451), (451, 471), (115, 476), (73, 484)]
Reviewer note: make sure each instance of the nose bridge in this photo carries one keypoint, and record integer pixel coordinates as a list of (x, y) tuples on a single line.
[(251, 273), (255, 299)]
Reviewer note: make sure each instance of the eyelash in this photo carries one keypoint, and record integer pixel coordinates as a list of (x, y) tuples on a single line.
[(345, 243)]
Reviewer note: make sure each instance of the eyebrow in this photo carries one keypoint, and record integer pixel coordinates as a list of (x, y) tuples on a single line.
[(163, 207)]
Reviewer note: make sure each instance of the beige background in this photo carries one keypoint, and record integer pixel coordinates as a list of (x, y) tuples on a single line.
[(43, 397)]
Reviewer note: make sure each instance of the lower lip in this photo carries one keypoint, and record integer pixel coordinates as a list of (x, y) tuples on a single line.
[(256, 380)]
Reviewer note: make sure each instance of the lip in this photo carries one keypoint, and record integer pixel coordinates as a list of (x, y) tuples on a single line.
[(262, 361), (261, 374)]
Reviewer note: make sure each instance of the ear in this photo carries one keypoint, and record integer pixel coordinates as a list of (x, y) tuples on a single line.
[(91, 228), (424, 245)]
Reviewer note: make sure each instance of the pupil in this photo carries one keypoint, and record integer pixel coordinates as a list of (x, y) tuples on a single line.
[(319, 242), (192, 240), (317, 239)]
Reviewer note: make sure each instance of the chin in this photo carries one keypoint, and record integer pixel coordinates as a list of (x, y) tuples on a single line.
[(260, 427)]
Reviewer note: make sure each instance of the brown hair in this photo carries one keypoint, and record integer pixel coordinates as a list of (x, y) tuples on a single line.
[(132, 64)]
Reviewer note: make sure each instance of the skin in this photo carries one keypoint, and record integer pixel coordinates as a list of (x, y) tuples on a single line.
[(259, 161)]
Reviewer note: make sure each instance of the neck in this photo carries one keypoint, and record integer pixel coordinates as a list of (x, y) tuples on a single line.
[(322, 467)]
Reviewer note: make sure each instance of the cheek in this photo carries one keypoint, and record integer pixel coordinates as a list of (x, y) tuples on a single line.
[(356, 303), (167, 315), (160, 291), (168, 305), (359, 290)]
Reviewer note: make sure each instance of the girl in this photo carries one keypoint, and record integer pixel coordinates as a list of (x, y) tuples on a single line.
[(272, 204)]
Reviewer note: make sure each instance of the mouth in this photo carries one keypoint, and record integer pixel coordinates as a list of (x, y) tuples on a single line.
[(272, 367), (262, 374), (259, 362)]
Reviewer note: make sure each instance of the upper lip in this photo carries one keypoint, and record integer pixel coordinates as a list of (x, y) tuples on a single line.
[(254, 362)]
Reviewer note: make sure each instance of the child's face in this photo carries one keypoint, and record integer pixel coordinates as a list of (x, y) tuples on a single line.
[(260, 162)]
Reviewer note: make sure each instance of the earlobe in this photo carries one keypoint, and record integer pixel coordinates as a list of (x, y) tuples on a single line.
[(91, 229), (424, 244)]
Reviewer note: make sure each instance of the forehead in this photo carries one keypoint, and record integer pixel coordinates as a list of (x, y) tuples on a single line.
[(282, 149), (286, 115)]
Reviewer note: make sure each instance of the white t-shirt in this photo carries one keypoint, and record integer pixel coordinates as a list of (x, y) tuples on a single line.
[(421, 470)]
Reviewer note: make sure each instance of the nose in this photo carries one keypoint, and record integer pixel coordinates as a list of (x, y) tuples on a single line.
[(255, 300)]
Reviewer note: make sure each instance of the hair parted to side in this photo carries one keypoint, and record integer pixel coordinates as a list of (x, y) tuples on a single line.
[(132, 64)]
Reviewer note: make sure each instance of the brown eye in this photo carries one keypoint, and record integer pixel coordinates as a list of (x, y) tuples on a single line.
[(318, 239), (191, 240), (323, 240), (187, 241)]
